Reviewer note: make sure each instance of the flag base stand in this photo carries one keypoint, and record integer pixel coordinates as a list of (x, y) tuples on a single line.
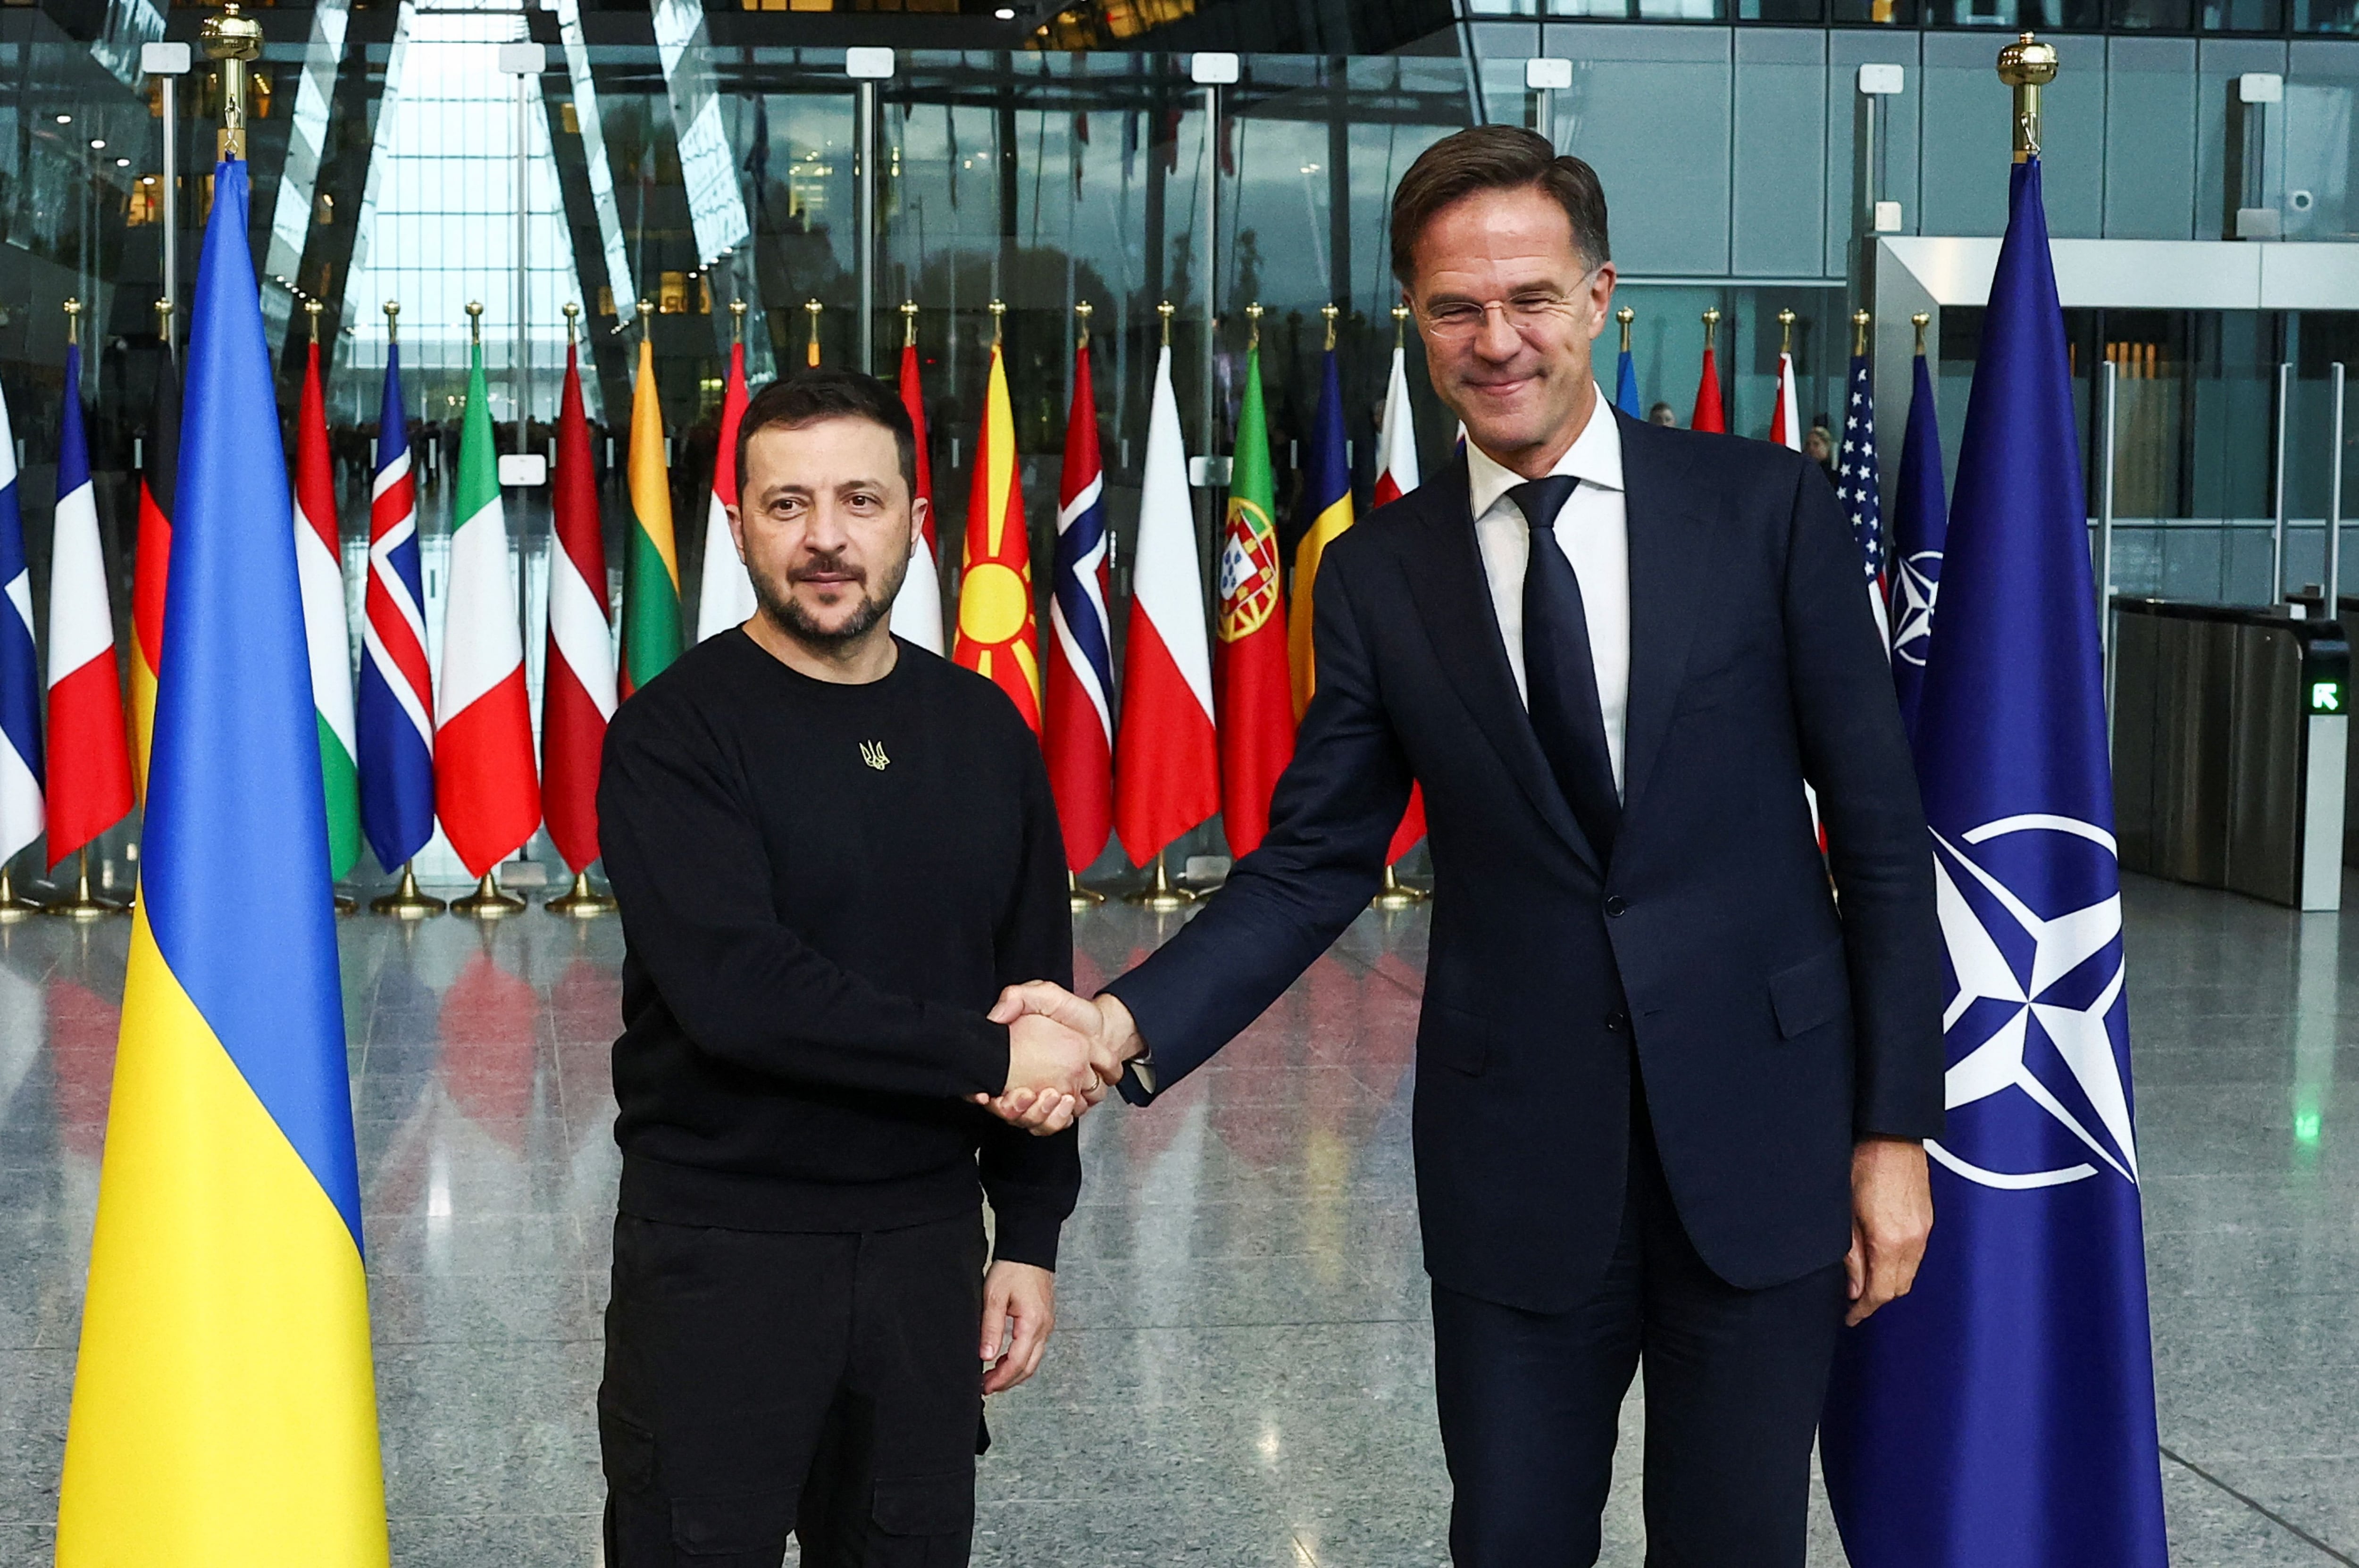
[(1397, 894), (13, 908), (1160, 895), (405, 903), (346, 904), (1083, 898), (487, 902), (582, 902), (85, 904)]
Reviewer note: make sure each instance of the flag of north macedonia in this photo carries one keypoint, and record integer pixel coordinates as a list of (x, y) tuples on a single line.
[(998, 636)]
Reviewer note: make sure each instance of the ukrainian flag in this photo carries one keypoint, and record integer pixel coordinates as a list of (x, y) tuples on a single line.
[(225, 1413)]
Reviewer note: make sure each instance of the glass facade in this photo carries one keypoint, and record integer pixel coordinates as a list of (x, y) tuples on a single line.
[(692, 155)]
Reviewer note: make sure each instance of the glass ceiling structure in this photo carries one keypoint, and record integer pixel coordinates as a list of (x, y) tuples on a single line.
[(438, 225)]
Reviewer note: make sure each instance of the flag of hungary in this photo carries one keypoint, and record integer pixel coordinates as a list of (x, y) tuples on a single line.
[(320, 571)]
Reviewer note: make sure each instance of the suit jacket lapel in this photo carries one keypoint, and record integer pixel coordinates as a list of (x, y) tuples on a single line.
[(1669, 551), (1453, 598)]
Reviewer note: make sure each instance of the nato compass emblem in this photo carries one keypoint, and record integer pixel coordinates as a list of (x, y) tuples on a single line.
[(1912, 605), (2031, 913)]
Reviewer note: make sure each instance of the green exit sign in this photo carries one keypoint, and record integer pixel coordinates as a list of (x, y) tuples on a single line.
[(2326, 696)]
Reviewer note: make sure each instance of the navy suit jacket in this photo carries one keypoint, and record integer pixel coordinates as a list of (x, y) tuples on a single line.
[(1774, 1018)]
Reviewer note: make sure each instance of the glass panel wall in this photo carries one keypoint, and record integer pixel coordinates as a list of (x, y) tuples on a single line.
[(1045, 180)]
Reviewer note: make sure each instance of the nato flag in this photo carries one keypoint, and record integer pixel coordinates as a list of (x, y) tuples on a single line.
[(2002, 1416), (1920, 525)]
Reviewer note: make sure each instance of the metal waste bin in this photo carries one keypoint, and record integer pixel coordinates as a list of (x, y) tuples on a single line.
[(2230, 747)]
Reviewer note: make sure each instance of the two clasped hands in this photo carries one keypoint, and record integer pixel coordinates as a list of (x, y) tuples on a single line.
[(1063, 1053)]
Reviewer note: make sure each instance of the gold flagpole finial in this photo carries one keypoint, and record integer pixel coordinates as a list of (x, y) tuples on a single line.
[(475, 322), (909, 323), (232, 39), (2027, 65), (1625, 316), (1859, 324), (74, 322), (1921, 322), (1165, 310), (1400, 325), (1328, 313), (1711, 325), (998, 308), (646, 309), (1084, 309), (1786, 319), (393, 320), (737, 308), (312, 307), (1253, 326), (812, 307), (164, 308), (572, 323)]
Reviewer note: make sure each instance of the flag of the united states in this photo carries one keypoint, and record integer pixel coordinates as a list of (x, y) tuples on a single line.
[(1856, 485)]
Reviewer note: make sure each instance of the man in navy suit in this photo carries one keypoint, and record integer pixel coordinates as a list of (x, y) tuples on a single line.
[(1675, 1066)]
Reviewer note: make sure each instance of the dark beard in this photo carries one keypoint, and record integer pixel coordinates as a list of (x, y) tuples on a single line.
[(783, 612)]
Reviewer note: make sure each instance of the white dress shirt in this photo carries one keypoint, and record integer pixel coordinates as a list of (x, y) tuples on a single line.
[(1594, 533)]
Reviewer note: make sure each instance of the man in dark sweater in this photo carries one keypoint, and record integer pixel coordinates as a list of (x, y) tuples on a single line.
[(832, 850)]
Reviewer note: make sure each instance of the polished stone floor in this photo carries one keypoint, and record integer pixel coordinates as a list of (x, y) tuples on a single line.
[(1241, 1376)]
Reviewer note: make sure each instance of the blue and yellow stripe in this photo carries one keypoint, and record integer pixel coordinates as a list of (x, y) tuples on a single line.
[(1326, 511), (224, 1411)]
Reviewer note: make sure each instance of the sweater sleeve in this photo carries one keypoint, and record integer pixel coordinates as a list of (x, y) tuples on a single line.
[(689, 869), (1033, 1182)]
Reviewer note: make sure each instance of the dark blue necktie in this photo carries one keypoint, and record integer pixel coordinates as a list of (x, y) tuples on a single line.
[(1559, 678)]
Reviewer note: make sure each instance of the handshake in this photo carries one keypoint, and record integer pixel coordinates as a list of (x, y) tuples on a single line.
[(1063, 1053)]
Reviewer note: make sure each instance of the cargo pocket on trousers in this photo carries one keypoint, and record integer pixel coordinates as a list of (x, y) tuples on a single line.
[(927, 1507), (748, 1524)]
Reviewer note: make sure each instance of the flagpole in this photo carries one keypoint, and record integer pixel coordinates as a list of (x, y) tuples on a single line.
[(1078, 897), (487, 902), (345, 903), (811, 349), (582, 902), (1162, 895), (84, 904), (405, 901), (14, 907)]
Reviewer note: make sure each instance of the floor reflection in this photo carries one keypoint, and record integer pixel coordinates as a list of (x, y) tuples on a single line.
[(1242, 1374)]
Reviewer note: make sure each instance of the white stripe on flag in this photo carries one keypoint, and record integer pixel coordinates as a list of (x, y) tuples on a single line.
[(321, 578), (483, 642), (725, 594), (1164, 575), (1085, 673), (81, 627), (22, 818), (918, 608), (577, 623)]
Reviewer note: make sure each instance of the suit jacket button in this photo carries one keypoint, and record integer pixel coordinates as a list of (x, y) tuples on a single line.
[(1617, 1021), (1615, 905)]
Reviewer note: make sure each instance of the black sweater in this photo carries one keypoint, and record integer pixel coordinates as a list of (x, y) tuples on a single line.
[(823, 889)]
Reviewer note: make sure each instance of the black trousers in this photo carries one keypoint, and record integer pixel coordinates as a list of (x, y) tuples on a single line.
[(760, 1383), (1529, 1404)]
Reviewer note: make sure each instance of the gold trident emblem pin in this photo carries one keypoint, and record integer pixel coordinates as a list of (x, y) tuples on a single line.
[(873, 754)]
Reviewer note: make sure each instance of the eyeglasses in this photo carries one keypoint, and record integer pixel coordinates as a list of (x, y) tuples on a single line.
[(1456, 320)]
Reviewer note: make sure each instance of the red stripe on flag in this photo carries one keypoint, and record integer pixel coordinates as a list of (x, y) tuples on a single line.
[(484, 770), (572, 732), (1411, 829), (89, 756), (1167, 761)]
